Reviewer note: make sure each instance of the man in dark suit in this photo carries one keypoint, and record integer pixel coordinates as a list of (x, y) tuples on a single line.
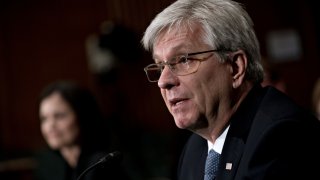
[(207, 66)]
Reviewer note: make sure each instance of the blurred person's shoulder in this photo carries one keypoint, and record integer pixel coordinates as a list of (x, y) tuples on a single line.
[(50, 165)]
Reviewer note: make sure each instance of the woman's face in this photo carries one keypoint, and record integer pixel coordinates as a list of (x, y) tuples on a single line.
[(59, 125)]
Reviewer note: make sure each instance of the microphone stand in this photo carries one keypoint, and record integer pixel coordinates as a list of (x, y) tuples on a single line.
[(108, 157)]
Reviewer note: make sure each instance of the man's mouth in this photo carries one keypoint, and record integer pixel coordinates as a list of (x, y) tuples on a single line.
[(176, 101)]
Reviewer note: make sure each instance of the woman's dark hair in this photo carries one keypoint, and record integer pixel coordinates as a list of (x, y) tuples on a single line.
[(86, 108)]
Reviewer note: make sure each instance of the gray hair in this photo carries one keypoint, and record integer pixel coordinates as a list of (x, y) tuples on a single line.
[(225, 23)]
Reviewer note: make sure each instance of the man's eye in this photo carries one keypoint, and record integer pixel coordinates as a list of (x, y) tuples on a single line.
[(159, 65), (183, 60)]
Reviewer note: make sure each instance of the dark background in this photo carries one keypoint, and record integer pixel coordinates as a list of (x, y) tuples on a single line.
[(44, 41)]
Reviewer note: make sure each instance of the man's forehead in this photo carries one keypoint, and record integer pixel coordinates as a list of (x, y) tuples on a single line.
[(178, 31), (171, 46), (167, 35)]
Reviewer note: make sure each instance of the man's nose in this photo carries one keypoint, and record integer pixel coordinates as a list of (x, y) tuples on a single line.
[(167, 78)]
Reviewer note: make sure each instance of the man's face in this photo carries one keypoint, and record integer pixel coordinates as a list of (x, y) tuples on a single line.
[(193, 100)]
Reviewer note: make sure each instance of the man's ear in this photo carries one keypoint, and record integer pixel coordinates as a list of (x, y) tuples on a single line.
[(239, 66)]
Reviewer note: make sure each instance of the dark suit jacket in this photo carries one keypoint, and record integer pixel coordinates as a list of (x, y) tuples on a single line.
[(269, 138)]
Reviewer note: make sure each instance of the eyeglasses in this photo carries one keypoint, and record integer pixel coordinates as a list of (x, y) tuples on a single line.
[(179, 65)]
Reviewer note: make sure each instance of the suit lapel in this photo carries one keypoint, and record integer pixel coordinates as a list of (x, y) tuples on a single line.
[(240, 125), (231, 156)]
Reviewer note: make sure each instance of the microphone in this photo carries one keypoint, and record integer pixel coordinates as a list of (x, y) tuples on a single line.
[(114, 156)]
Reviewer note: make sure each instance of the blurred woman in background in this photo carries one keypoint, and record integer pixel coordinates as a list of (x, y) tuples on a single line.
[(72, 125)]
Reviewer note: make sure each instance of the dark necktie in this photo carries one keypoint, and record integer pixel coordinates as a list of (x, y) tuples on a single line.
[(212, 164)]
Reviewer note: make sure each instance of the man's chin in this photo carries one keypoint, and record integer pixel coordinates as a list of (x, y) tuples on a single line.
[(181, 124)]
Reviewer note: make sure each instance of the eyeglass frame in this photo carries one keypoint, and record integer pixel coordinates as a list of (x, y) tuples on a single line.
[(171, 65)]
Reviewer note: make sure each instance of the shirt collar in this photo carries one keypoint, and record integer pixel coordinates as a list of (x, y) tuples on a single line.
[(218, 144)]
